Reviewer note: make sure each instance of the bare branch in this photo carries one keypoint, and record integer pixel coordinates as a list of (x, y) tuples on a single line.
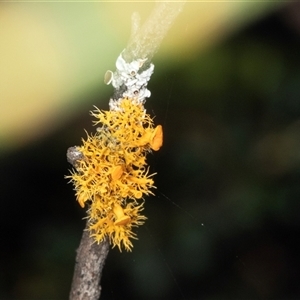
[(145, 42), (90, 261)]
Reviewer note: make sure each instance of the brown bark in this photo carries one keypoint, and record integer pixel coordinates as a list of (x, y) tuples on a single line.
[(90, 261)]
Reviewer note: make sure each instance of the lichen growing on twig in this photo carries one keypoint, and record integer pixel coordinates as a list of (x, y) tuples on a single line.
[(112, 173)]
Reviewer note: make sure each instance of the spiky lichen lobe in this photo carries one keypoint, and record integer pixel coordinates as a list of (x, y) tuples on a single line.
[(113, 175)]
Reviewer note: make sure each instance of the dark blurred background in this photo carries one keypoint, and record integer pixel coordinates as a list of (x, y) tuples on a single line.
[(224, 223)]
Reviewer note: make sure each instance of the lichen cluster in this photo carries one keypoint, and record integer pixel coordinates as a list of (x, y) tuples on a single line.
[(112, 175)]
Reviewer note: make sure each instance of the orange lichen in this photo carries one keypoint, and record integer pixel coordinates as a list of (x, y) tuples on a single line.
[(112, 175), (121, 218), (116, 173), (156, 140)]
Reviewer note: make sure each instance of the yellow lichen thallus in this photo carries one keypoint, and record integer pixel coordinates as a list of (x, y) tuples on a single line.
[(111, 175)]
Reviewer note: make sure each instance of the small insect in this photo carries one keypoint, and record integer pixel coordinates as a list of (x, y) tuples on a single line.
[(73, 155)]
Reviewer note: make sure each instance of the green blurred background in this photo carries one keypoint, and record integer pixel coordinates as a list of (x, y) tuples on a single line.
[(224, 223)]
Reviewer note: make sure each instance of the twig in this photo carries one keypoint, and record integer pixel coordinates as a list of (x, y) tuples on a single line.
[(90, 261), (90, 256), (144, 42), (142, 45)]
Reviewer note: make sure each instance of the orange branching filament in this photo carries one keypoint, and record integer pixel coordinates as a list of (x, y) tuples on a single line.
[(113, 175)]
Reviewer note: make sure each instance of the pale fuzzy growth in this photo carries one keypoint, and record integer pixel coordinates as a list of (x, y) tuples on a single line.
[(130, 78), (133, 66)]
